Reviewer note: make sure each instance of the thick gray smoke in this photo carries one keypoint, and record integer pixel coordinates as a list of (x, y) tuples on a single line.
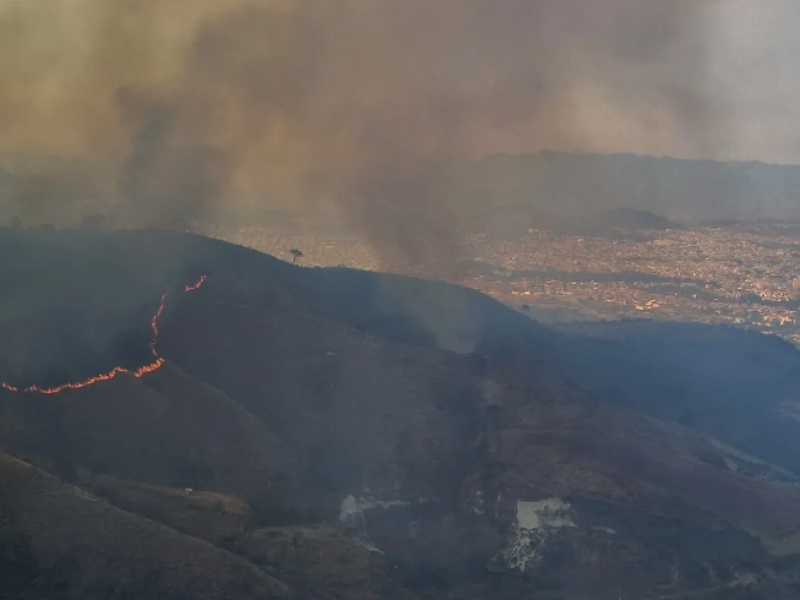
[(178, 110)]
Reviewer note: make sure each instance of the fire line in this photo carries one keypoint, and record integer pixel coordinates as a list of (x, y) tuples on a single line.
[(139, 372)]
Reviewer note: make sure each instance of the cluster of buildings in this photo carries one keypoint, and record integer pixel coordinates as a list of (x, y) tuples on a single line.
[(749, 278), (708, 275)]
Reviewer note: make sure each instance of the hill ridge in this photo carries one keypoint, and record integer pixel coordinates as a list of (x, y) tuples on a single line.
[(677, 188)]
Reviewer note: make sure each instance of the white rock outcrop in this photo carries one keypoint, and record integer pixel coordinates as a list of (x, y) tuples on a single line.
[(536, 523)]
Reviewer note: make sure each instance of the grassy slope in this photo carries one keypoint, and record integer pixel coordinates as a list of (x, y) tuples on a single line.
[(88, 549)]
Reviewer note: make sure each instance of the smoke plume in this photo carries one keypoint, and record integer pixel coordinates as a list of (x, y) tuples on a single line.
[(173, 111)]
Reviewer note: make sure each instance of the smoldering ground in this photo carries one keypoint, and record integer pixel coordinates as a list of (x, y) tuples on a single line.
[(173, 110)]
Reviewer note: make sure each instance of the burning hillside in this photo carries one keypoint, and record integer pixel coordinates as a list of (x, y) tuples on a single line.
[(141, 371)]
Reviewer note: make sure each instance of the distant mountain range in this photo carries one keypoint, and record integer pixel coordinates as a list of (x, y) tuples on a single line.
[(587, 184), (622, 185)]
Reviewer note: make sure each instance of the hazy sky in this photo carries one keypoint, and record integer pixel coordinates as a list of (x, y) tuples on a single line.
[(753, 61), (61, 61), (747, 52), (171, 106)]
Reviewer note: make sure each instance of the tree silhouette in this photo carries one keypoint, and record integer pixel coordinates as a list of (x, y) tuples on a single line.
[(295, 254), (15, 222)]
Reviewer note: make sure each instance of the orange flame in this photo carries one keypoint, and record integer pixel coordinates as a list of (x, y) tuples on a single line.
[(196, 285), (139, 372)]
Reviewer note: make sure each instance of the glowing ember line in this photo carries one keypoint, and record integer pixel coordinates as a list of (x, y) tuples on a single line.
[(139, 372), (154, 323), (196, 285)]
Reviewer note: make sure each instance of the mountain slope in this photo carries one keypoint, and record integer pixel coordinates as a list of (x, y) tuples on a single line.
[(363, 412), (739, 386), (166, 429), (423, 422), (59, 542)]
